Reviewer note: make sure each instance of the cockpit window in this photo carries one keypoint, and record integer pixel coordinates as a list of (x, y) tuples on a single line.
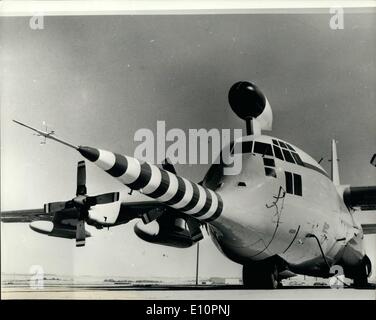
[(282, 151), (289, 153), (290, 147), (288, 156), (246, 147), (282, 144), (269, 162), (278, 152), (263, 148), (298, 160), (270, 172)]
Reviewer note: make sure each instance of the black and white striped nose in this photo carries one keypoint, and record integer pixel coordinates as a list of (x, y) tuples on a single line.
[(164, 186)]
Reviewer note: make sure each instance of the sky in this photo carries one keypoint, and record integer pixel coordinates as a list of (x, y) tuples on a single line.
[(98, 79)]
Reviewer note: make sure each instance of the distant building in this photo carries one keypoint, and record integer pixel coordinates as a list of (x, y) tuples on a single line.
[(222, 281), (233, 281)]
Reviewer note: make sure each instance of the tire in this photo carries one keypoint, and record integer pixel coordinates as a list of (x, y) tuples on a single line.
[(260, 276), (361, 280), (361, 283)]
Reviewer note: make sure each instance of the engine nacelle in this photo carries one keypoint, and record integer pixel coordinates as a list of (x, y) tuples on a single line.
[(172, 232), (248, 102), (360, 197), (48, 228)]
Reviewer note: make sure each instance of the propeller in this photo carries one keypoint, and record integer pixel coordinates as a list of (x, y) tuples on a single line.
[(82, 202)]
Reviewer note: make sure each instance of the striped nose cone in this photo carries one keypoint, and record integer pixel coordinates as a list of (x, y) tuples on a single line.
[(164, 186)]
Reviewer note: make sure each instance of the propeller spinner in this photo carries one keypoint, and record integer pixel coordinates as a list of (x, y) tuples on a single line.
[(82, 202)]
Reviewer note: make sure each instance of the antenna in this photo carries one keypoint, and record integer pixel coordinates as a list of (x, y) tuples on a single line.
[(334, 160), (197, 260), (46, 131), (373, 160)]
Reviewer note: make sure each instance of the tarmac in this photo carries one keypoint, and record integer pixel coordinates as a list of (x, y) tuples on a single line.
[(163, 292)]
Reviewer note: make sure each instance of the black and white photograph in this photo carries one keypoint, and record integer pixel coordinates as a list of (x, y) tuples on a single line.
[(179, 154)]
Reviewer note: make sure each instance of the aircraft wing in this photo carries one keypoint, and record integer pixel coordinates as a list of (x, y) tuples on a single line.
[(369, 228), (362, 198), (367, 219), (25, 215), (64, 223), (146, 210)]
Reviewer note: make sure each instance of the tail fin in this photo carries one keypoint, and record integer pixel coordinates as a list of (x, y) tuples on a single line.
[(335, 172)]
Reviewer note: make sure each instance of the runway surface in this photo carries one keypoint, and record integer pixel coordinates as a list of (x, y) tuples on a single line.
[(154, 292)]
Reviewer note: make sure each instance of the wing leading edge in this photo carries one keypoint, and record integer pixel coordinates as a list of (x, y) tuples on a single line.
[(146, 210), (369, 228), (25, 216)]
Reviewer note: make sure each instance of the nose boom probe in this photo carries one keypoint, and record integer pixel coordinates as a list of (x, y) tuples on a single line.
[(166, 187), (47, 135)]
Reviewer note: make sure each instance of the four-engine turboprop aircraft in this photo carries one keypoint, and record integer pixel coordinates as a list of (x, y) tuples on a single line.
[(281, 215)]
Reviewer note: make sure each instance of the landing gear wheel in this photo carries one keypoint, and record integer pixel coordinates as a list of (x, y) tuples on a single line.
[(361, 283), (361, 280), (260, 276)]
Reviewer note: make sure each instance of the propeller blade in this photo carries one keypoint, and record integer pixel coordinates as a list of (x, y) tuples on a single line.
[(54, 206), (103, 198), (81, 178), (80, 233), (207, 229), (167, 165)]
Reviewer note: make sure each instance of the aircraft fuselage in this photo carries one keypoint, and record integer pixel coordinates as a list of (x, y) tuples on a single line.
[(275, 202)]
